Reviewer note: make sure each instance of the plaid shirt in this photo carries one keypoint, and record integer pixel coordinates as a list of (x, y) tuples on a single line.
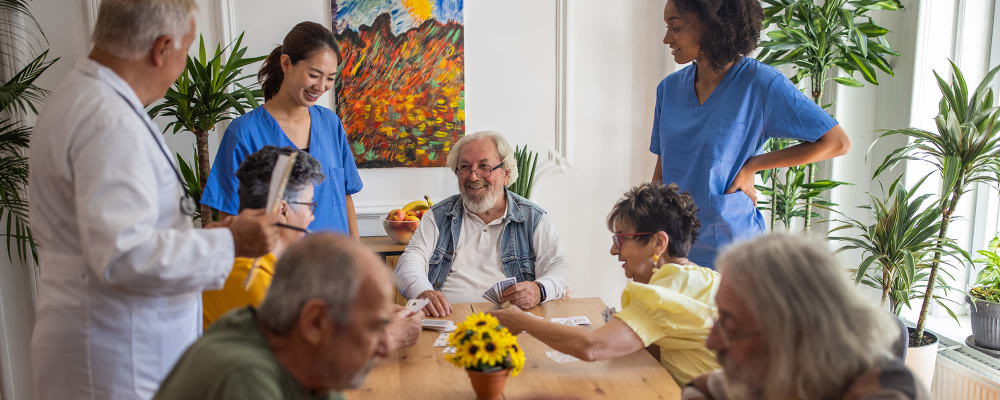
[(890, 381)]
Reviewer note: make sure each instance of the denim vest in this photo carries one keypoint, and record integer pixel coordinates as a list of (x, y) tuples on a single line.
[(516, 251)]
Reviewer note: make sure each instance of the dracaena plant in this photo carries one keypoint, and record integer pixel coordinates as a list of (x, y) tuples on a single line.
[(964, 151), (815, 37), (18, 98), (527, 160), (209, 91), (897, 246)]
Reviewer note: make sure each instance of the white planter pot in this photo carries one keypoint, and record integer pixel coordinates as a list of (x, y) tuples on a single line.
[(920, 360)]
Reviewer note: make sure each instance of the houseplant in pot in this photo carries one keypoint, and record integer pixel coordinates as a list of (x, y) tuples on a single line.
[(209, 91), (963, 151), (813, 38), (985, 299), (488, 352)]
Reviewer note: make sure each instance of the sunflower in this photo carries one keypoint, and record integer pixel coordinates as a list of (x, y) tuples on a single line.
[(471, 353), (516, 358), (481, 322), (493, 352)]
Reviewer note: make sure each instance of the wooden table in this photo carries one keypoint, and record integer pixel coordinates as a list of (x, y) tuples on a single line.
[(383, 246), (421, 372)]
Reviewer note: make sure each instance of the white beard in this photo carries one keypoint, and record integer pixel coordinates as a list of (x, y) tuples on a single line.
[(482, 205)]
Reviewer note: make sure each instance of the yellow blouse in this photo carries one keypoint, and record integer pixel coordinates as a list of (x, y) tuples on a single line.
[(232, 295), (675, 310)]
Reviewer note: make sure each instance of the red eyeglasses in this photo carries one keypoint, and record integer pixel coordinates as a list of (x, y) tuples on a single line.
[(617, 238)]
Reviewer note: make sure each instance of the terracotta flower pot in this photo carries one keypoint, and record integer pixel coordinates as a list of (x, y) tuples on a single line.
[(488, 385)]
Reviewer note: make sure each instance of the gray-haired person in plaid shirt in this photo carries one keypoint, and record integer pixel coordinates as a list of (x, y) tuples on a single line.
[(790, 326)]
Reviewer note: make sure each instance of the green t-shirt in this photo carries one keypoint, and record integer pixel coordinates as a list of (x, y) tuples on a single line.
[(232, 361)]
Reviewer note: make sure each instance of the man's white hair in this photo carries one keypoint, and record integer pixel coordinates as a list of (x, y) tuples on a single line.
[(504, 150), (820, 333), (128, 28)]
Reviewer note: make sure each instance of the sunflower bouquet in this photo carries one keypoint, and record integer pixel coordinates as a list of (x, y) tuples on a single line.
[(482, 344)]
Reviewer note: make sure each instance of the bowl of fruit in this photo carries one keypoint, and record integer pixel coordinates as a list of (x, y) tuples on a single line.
[(400, 223)]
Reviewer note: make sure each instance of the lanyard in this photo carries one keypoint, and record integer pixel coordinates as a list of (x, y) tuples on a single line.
[(187, 205)]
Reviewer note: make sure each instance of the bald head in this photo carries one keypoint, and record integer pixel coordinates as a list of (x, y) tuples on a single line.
[(332, 267)]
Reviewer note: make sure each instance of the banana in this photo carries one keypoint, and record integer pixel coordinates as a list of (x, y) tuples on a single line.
[(416, 205), (428, 198)]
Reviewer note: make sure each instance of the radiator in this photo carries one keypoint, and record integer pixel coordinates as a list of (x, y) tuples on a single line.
[(955, 381)]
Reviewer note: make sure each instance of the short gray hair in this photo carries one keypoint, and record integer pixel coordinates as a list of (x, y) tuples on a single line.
[(504, 150), (821, 332), (128, 28), (255, 171), (321, 265)]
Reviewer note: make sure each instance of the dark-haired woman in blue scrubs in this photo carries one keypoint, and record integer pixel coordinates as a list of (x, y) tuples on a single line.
[(713, 117)]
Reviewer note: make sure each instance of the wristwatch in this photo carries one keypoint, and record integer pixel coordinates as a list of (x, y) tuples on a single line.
[(541, 290)]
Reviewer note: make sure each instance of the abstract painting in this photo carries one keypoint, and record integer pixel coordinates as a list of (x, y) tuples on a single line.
[(401, 89)]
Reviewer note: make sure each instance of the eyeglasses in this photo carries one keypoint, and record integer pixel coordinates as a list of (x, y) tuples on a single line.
[(483, 170), (311, 204), (728, 337), (617, 238)]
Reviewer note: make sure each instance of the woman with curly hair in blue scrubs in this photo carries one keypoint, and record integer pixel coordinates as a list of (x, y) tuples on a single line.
[(293, 78), (713, 117)]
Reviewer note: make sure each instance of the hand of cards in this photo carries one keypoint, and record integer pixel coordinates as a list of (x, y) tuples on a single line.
[(495, 293)]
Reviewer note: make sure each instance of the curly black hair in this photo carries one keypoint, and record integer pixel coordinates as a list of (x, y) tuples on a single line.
[(730, 28), (254, 175), (654, 207)]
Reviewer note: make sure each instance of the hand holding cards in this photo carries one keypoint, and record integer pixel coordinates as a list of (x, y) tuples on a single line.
[(495, 293), (414, 305)]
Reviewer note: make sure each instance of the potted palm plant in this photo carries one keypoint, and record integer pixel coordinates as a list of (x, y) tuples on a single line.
[(964, 151), (985, 299), (18, 97), (814, 37), (210, 91)]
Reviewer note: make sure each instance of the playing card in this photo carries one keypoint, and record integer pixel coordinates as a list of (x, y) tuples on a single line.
[(441, 341), (608, 313), (414, 305), (564, 321), (449, 350), (580, 320), (503, 285), (492, 295), (561, 358)]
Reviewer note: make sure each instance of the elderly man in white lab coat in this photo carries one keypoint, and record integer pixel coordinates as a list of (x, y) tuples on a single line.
[(122, 268)]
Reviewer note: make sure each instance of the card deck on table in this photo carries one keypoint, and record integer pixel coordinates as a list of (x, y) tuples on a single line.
[(441, 325), (564, 321), (414, 305)]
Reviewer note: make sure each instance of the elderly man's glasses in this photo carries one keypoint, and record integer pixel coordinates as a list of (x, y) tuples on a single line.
[(729, 337), (483, 170), (311, 205), (618, 238)]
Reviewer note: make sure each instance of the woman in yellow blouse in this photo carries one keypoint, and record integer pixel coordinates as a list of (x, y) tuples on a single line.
[(296, 210), (667, 308)]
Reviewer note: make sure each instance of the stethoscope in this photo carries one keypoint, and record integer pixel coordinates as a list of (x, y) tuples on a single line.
[(188, 206)]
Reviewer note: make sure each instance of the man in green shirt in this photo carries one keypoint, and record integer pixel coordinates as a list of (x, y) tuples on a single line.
[(319, 330)]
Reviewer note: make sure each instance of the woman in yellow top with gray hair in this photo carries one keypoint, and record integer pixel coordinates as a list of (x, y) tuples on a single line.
[(667, 308)]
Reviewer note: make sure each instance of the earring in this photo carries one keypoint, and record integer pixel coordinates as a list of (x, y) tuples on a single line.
[(656, 259)]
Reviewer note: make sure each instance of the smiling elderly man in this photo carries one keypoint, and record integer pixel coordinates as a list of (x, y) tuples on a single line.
[(483, 235)]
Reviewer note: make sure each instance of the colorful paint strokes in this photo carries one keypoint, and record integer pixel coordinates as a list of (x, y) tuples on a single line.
[(401, 90)]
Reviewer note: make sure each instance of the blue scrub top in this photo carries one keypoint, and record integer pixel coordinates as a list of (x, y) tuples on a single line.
[(327, 144), (703, 147)]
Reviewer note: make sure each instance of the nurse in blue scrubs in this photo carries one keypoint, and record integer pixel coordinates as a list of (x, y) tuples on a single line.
[(713, 117), (293, 78)]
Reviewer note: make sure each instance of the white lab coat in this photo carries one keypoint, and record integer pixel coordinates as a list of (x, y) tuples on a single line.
[(122, 270)]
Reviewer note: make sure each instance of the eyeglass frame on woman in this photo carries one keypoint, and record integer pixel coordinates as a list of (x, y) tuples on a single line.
[(312, 205), (616, 238), (481, 172)]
